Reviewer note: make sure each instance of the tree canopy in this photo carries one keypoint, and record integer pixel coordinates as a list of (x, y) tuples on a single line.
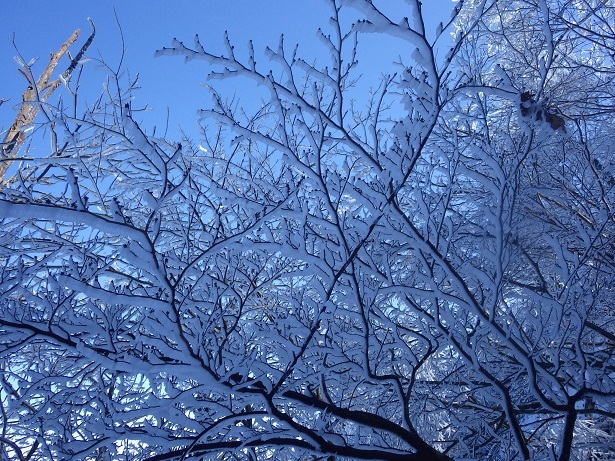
[(421, 271)]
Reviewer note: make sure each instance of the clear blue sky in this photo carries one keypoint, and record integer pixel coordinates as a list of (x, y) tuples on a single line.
[(41, 26)]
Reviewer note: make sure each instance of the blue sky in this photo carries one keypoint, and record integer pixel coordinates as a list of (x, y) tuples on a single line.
[(41, 26)]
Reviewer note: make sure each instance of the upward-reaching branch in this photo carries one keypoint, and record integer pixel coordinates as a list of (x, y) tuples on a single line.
[(39, 91)]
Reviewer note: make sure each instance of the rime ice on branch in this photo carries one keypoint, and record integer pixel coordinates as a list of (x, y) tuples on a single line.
[(424, 273)]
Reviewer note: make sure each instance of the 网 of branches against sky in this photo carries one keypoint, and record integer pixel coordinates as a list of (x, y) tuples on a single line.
[(421, 272)]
